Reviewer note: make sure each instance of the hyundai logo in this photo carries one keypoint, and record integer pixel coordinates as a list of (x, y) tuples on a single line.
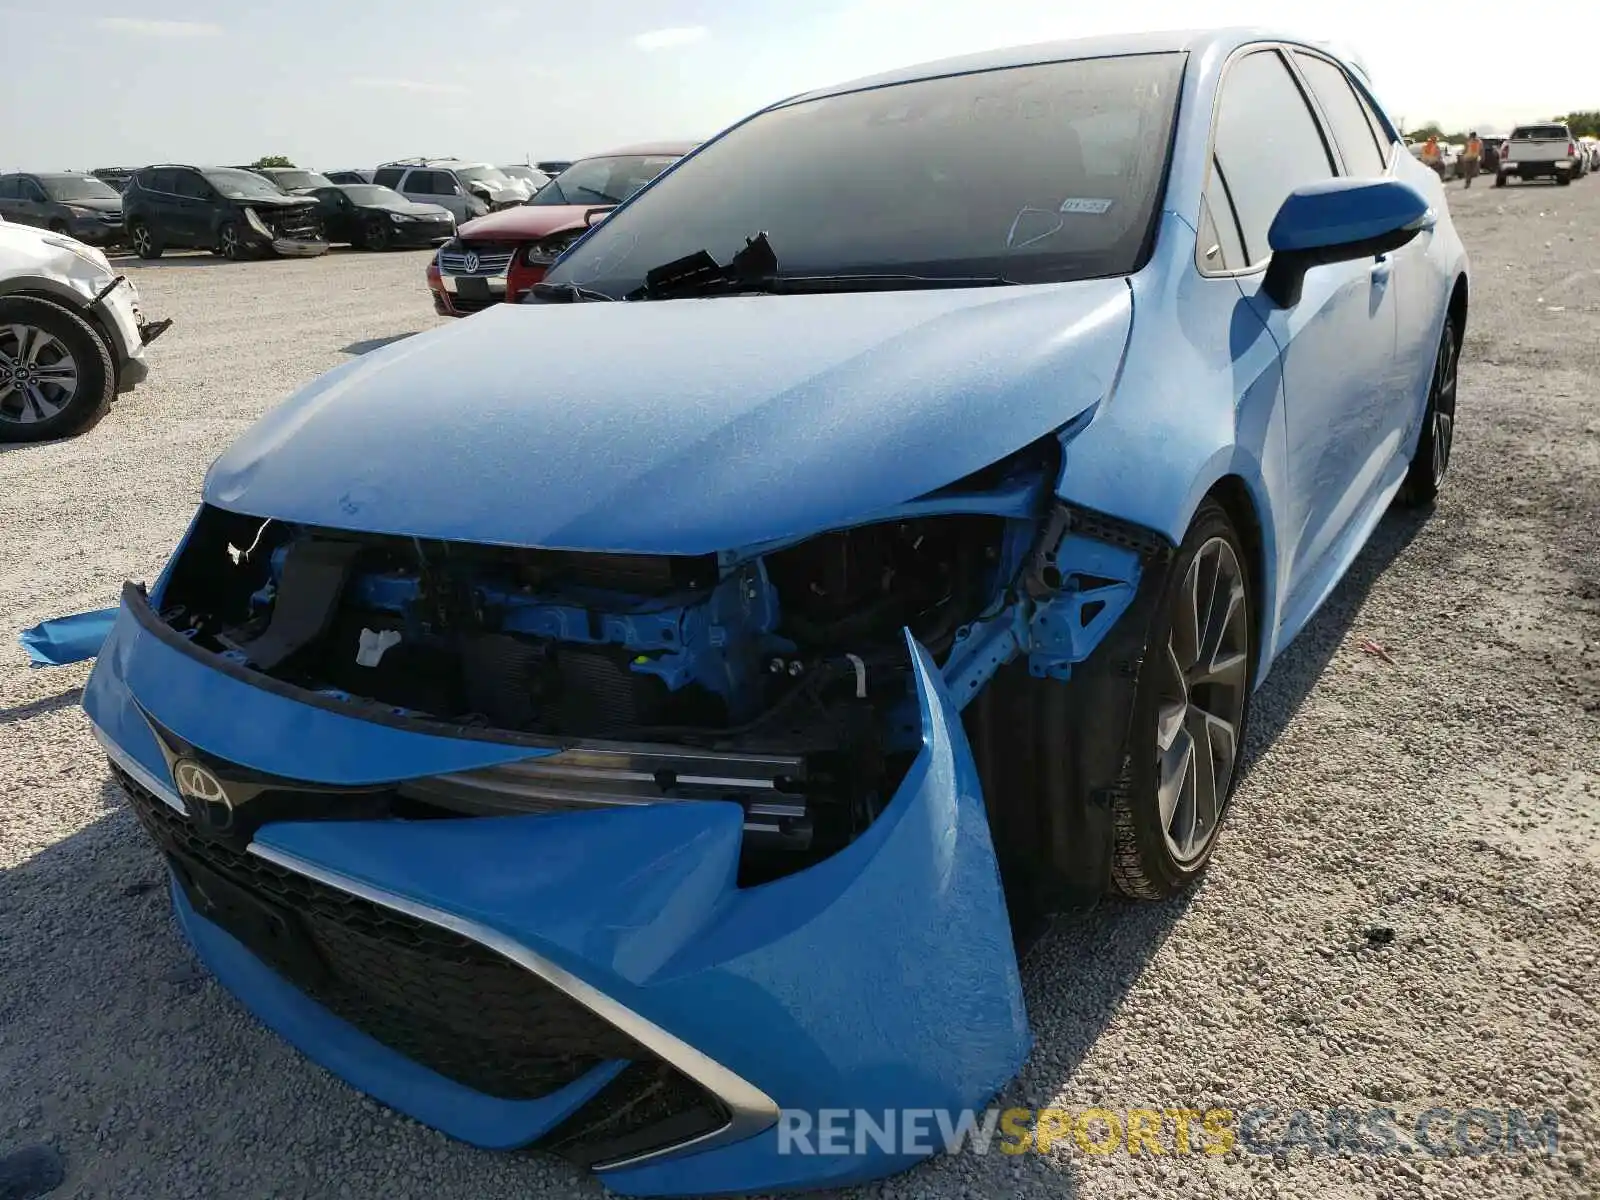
[(203, 795), (470, 262)]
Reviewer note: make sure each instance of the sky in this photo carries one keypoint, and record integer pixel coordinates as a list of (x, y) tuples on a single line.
[(349, 83)]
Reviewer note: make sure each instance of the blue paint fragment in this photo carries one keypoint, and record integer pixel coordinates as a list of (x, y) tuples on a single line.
[(62, 640)]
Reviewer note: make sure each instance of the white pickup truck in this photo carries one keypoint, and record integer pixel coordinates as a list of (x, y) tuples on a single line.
[(1539, 152)]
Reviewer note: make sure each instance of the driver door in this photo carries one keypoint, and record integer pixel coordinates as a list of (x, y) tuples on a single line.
[(1336, 343)]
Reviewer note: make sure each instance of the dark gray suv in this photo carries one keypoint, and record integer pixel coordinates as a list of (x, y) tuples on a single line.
[(80, 206)]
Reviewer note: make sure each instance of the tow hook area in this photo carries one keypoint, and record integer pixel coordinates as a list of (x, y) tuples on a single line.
[(1075, 585)]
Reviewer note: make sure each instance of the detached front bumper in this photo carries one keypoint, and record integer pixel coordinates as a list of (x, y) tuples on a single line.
[(299, 247), (592, 982)]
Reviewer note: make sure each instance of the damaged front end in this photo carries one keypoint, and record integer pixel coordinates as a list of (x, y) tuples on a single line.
[(617, 855)]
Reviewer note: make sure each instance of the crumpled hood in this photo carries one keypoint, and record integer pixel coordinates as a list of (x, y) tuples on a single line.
[(680, 426), (523, 222)]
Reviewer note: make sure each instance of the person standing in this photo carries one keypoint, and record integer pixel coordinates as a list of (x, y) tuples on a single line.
[(1431, 156), (1471, 157)]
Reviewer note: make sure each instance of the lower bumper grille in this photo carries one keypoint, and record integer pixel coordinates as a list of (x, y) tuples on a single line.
[(440, 999)]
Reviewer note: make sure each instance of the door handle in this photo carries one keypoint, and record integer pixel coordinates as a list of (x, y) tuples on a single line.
[(1381, 269)]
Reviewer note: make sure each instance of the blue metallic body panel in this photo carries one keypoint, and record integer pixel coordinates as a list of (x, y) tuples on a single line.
[(791, 399), (255, 728)]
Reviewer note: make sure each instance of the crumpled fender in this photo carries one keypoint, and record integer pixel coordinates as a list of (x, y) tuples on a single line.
[(881, 978)]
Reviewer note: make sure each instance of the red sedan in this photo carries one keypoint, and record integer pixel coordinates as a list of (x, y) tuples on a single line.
[(500, 256)]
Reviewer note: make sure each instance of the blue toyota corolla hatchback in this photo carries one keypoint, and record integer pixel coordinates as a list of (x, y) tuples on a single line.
[(620, 722)]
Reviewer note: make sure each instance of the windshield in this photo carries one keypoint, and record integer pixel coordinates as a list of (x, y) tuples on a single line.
[(481, 175), (528, 175), (372, 194), (299, 179), (1034, 174), (241, 185), (66, 188), (603, 180)]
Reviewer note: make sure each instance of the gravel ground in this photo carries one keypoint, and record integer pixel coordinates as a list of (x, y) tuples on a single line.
[(1403, 913)]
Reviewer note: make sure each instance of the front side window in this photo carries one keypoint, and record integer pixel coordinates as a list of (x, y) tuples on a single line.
[(388, 176), (1267, 143), (8, 187), (190, 184), (1363, 157), (1031, 174), (32, 191)]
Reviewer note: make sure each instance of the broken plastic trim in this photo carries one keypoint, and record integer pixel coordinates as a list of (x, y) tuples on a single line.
[(1079, 580), (63, 640)]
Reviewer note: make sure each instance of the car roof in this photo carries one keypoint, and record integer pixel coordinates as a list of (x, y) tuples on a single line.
[(676, 149), (1191, 41)]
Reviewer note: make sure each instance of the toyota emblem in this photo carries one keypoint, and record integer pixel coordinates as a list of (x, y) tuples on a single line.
[(203, 795), (471, 263)]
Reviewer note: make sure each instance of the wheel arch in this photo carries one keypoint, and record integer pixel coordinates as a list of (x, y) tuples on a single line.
[(64, 297), (1456, 310), (1234, 494)]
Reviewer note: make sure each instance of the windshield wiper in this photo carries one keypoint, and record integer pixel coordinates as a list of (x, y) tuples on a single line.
[(755, 269), (566, 293)]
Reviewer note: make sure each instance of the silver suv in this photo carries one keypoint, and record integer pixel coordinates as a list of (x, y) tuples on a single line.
[(466, 189)]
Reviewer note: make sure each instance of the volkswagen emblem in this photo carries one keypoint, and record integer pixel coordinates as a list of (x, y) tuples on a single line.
[(470, 262), (203, 795)]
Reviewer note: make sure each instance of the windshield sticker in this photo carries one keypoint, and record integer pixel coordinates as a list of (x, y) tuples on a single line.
[(1085, 204)]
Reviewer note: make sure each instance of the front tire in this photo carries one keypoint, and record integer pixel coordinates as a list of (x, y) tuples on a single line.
[(56, 374), (144, 241), (377, 235), (1190, 713), (228, 243), (1431, 459)]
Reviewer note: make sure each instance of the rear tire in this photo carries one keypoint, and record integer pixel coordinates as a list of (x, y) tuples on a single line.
[(1500, 179), (1191, 711), (56, 374), (1563, 180), (1431, 459), (144, 241)]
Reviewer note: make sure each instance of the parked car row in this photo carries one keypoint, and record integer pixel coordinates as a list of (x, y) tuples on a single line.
[(244, 211)]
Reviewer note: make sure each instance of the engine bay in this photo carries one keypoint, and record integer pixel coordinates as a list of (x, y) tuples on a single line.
[(795, 657)]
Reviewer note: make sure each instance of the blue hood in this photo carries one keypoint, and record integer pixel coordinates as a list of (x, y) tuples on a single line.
[(683, 426)]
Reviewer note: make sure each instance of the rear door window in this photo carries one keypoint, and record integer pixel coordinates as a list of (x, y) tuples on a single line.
[(1539, 133), (1267, 144), (1351, 130)]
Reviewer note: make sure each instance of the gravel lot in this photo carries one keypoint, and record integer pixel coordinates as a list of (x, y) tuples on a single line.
[(1444, 789)]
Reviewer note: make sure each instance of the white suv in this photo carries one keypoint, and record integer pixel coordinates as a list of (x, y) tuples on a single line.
[(467, 189), (71, 335)]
